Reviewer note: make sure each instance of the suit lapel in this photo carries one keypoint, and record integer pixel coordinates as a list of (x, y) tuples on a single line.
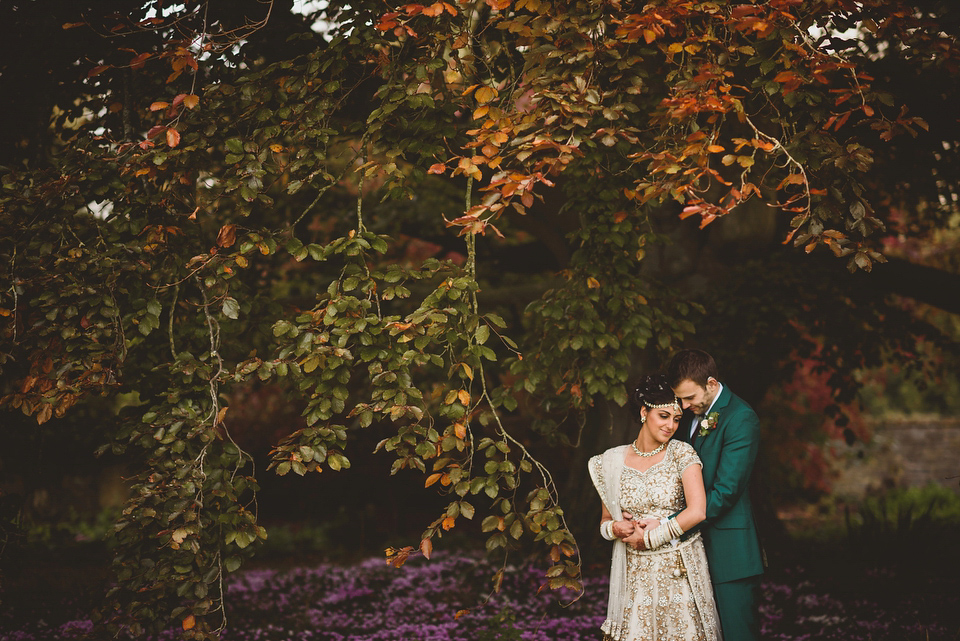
[(719, 406)]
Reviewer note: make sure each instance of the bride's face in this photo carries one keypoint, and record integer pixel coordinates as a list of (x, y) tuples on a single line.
[(661, 423)]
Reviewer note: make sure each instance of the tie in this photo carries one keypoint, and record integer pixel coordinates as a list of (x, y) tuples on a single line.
[(695, 429)]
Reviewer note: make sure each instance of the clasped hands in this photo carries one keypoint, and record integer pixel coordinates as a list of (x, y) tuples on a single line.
[(631, 531)]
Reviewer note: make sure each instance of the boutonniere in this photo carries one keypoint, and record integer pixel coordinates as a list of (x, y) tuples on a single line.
[(708, 422)]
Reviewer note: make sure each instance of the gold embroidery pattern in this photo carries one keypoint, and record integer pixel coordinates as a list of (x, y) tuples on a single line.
[(659, 606)]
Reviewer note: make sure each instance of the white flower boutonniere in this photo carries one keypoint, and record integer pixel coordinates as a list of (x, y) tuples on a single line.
[(708, 422)]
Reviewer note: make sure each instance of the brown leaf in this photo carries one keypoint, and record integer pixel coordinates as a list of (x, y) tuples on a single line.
[(485, 95), (191, 100), (173, 137), (426, 547), (189, 622), (227, 236), (159, 105)]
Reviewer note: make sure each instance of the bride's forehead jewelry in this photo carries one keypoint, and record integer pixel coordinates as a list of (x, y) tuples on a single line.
[(675, 404)]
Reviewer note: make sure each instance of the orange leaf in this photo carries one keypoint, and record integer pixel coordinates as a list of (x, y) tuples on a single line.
[(460, 430), (275, 148), (173, 137), (715, 149), (433, 10), (426, 546), (227, 235), (189, 622), (620, 216), (448, 523), (190, 101), (485, 95), (593, 283), (868, 110), (433, 478), (97, 70), (157, 106), (437, 168), (464, 397)]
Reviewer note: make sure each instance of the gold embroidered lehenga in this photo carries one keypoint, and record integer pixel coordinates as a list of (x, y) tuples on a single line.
[(647, 600)]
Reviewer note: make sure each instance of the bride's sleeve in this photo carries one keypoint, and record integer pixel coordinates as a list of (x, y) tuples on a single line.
[(686, 457)]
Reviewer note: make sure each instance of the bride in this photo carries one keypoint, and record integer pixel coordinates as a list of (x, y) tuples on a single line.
[(659, 583)]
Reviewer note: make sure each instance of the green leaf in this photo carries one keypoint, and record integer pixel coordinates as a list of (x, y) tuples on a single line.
[(231, 308)]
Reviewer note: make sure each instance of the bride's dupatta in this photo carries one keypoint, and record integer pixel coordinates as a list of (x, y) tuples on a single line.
[(605, 472)]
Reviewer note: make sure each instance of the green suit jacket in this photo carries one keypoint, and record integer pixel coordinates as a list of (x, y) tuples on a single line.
[(728, 452)]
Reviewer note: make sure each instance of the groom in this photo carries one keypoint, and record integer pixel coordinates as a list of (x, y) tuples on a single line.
[(725, 432)]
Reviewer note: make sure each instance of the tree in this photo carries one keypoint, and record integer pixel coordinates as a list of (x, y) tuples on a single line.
[(233, 195)]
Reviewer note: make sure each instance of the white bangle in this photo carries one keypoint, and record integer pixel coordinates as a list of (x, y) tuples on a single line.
[(606, 530)]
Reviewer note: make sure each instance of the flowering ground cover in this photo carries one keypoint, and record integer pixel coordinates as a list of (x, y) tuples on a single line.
[(420, 601)]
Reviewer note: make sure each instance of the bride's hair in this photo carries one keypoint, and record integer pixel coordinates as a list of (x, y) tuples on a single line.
[(651, 390)]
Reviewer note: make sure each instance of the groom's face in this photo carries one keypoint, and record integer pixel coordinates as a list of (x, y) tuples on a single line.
[(696, 398)]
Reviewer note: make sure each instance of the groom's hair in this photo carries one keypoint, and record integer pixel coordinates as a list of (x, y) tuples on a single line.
[(693, 364)]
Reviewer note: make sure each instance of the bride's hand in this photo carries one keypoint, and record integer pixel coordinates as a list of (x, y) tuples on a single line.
[(623, 529), (647, 524), (635, 540)]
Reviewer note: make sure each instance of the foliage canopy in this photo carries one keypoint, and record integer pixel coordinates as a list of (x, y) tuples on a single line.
[(330, 201)]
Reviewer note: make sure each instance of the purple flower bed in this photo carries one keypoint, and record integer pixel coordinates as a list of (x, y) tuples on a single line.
[(371, 601)]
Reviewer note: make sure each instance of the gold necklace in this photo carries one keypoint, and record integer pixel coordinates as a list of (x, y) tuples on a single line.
[(651, 452)]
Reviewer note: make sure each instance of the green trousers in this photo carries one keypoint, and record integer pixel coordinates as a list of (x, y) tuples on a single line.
[(737, 603)]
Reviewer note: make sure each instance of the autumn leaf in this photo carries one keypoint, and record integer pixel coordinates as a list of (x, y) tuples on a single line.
[(426, 547), (190, 101), (157, 106), (227, 236), (173, 137), (189, 622), (433, 478), (433, 10), (485, 95)]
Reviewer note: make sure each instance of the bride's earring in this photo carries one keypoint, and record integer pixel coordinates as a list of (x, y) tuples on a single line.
[(643, 419)]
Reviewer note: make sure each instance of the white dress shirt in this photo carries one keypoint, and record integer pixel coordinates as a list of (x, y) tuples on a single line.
[(697, 417)]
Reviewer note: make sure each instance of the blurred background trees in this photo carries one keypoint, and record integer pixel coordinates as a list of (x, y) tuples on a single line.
[(285, 235)]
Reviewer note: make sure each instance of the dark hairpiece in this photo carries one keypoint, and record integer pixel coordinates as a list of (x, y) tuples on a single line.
[(651, 390)]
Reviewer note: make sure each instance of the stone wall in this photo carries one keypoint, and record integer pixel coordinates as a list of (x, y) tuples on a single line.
[(908, 451)]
